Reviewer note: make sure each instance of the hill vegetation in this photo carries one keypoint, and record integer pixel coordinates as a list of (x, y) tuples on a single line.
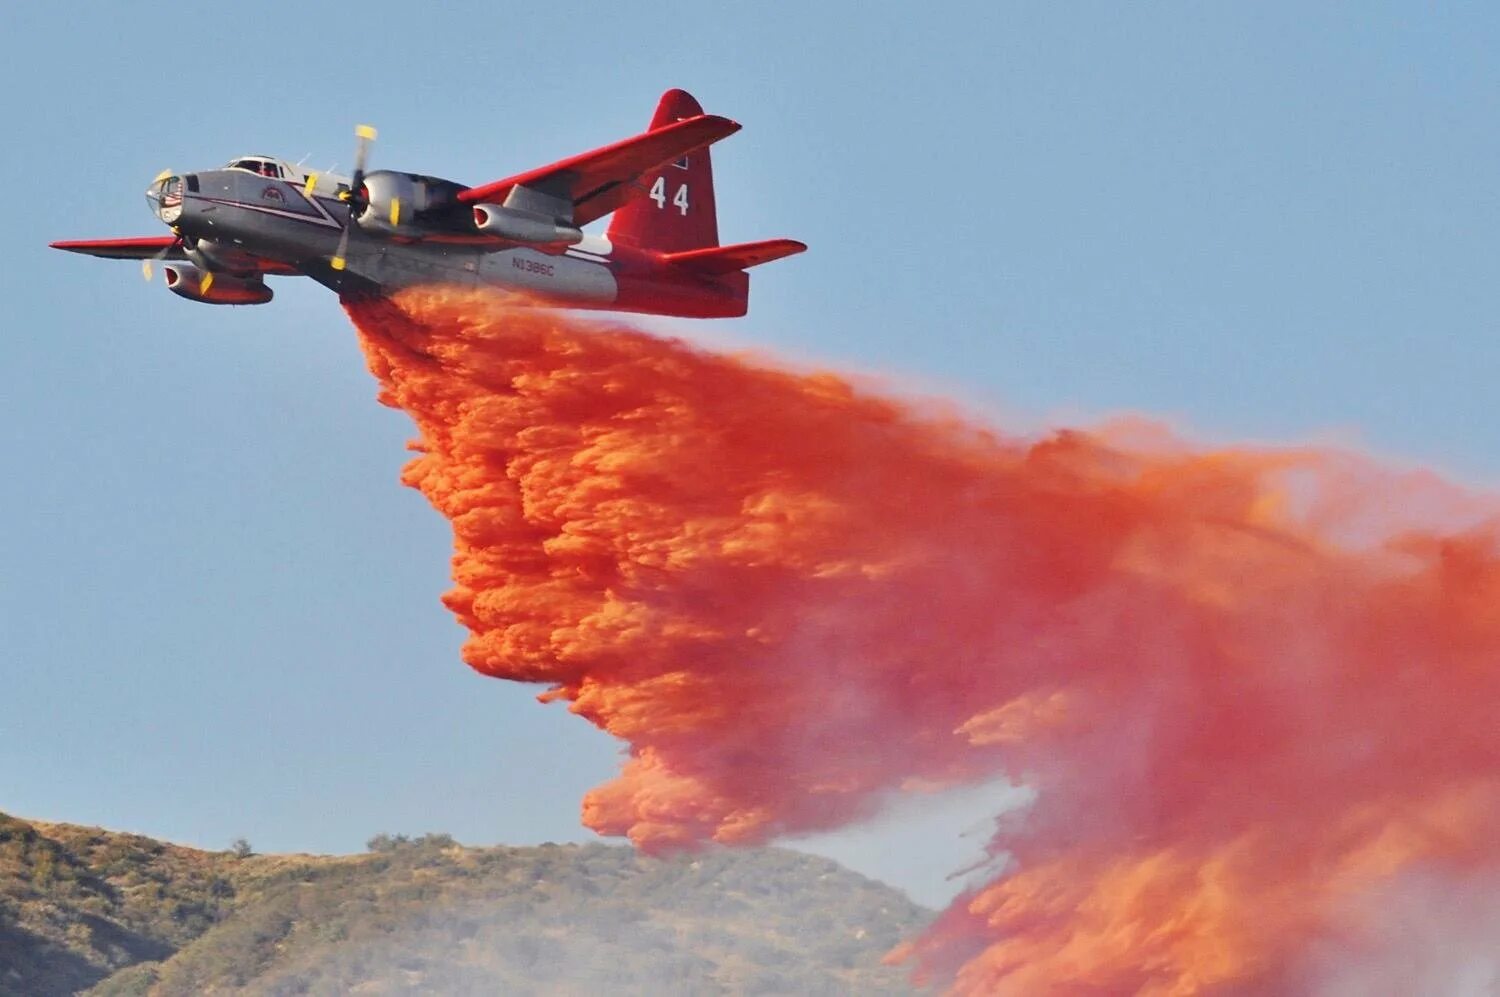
[(87, 910)]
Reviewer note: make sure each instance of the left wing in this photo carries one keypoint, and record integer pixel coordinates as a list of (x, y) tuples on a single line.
[(598, 182), (163, 247), (150, 247)]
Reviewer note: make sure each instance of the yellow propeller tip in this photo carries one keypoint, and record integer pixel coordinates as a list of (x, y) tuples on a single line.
[(162, 176), (337, 263), (365, 132)]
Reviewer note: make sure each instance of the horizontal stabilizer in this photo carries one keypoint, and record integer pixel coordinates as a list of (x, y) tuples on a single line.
[(742, 256)]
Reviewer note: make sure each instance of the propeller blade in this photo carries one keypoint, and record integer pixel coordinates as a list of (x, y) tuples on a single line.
[(363, 135), (207, 283), (339, 260), (147, 268), (311, 185)]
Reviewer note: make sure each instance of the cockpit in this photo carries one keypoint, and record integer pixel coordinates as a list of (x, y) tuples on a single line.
[(259, 165)]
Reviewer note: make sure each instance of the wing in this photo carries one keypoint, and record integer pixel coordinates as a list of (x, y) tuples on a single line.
[(164, 247), (150, 247), (597, 182)]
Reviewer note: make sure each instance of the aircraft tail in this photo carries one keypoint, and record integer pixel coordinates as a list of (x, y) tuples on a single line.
[(673, 211)]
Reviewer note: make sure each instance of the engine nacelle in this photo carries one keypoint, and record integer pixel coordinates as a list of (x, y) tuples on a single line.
[(524, 226), (186, 280), (218, 256), (406, 204)]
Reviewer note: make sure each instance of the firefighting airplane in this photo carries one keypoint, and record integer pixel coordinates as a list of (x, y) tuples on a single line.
[(380, 231)]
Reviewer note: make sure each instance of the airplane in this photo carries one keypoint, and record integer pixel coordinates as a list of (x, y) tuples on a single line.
[(372, 233)]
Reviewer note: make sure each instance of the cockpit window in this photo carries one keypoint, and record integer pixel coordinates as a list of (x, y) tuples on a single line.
[(264, 167)]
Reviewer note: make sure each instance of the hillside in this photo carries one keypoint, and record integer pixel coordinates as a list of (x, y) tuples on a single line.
[(82, 909)]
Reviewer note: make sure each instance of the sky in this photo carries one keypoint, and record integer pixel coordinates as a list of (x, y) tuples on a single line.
[(219, 613)]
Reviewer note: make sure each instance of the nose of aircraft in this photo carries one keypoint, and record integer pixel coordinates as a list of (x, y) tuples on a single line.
[(165, 196)]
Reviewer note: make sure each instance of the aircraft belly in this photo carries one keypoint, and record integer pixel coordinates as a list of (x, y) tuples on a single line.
[(561, 277), (408, 266)]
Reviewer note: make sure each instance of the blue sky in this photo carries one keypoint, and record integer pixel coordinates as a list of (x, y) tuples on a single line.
[(219, 610)]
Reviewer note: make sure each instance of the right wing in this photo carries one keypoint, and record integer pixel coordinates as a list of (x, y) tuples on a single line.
[(150, 247), (596, 183)]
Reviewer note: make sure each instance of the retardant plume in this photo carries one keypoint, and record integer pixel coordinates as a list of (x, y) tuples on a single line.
[(1254, 689)]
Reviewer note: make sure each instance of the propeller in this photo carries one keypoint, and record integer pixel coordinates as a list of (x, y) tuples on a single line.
[(148, 264), (363, 136), (155, 194)]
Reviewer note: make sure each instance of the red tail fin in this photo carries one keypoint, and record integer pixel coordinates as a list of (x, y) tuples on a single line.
[(673, 210)]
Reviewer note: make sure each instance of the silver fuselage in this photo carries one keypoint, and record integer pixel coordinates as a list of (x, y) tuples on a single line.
[(229, 211)]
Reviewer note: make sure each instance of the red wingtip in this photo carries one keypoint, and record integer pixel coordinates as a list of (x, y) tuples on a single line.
[(135, 248)]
